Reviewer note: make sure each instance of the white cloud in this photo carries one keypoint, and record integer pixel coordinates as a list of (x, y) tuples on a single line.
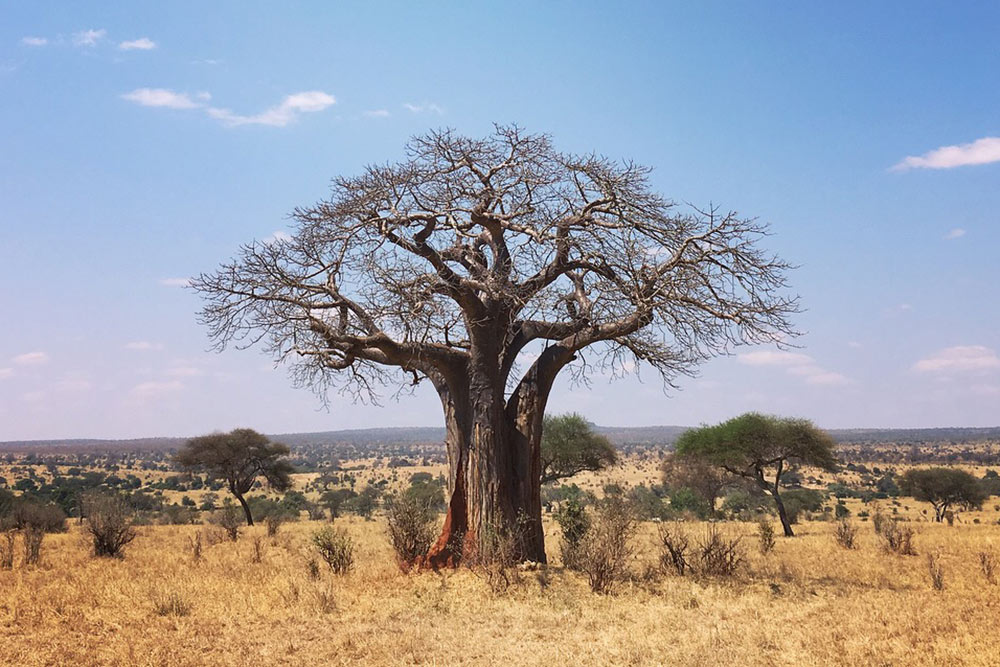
[(956, 233), (854, 345), (980, 151), (160, 97), (421, 108), (175, 282), (277, 236), (73, 385), (377, 113), (34, 41), (773, 358), (6, 373), (89, 37), (145, 390), (143, 345), (827, 379), (31, 359), (960, 359), (141, 44), (280, 115)]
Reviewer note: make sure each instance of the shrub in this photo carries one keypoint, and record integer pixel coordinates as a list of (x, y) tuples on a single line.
[(765, 535), (109, 522), (673, 546), (411, 522), (574, 524), (7, 547), (493, 557), (32, 537), (230, 521), (935, 570), (846, 534), (988, 565), (196, 547), (273, 523), (48, 518), (258, 550), (605, 548), (897, 538), (718, 555), (336, 548), (171, 604)]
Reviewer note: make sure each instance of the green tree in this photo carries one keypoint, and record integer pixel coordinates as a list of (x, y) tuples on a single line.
[(760, 448), (239, 458), (943, 488), (570, 445)]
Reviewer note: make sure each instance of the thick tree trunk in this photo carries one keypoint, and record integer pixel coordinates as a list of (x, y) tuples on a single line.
[(494, 470)]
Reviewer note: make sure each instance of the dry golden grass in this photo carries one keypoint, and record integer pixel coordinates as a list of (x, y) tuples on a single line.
[(809, 602)]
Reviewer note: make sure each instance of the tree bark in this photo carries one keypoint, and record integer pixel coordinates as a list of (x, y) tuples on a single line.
[(494, 449), (246, 508), (781, 512)]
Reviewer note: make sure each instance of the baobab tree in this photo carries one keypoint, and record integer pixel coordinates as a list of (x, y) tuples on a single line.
[(486, 267)]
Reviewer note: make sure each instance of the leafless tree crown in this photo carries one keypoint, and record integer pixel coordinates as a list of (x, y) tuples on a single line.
[(491, 245)]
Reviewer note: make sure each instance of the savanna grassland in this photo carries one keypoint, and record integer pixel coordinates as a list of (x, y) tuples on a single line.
[(268, 600)]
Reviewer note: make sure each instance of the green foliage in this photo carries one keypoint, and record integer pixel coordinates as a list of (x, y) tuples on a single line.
[(943, 488), (573, 524), (410, 520), (336, 548), (687, 500), (569, 446), (799, 500)]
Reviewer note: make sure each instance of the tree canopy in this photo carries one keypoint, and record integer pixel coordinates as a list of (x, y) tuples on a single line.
[(486, 267), (943, 488), (570, 446), (239, 457), (754, 446)]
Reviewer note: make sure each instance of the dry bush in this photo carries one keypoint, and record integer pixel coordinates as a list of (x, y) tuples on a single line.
[(606, 547), (879, 519), (673, 545), (336, 548), (988, 565), (935, 570), (846, 534), (109, 522), (171, 604), (765, 536), (7, 547), (573, 524), (230, 521), (897, 538), (312, 567), (32, 537), (273, 521), (410, 523), (195, 545), (214, 535), (718, 555), (257, 555), (493, 558)]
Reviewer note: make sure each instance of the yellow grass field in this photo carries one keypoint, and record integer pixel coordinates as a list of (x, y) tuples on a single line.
[(809, 602)]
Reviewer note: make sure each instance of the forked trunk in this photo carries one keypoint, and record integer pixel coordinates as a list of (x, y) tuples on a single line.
[(494, 470), (246, 508), (782, 514)]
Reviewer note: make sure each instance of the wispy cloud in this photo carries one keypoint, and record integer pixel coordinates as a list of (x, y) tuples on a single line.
[(34, 41), (960, 359), (278, 236), (773, 358), (6, 373), (377, 113), (980, 151), (161, 97), (89, 37), (143, 345), (141, 44), (280, 115), (73, 385), (794, 363), (428, 107), (956, 233), (31, 359), (185, 372), (175, 282)]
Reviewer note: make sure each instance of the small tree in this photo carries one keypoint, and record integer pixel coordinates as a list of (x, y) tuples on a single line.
[(411, 525), (697, 474), (570, 445), (109, 522), (239, 458), (943, 488), (756, 447)]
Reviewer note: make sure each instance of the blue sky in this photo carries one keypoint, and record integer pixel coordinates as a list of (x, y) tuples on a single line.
[(142, 145)]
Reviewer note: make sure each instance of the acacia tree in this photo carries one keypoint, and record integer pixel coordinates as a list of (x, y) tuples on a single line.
[(486, 267), (239, 457), (699, 475), (754, 446), (943, 488), (569, 445)]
